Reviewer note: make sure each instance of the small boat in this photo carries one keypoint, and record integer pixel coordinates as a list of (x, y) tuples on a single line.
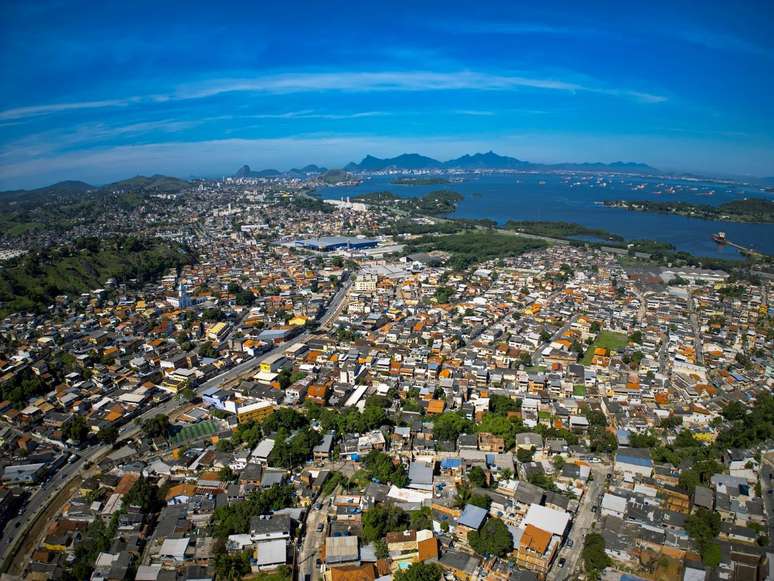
[(720, 237)]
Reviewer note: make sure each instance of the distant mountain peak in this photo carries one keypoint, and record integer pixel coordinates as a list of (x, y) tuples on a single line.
[(488, 160)]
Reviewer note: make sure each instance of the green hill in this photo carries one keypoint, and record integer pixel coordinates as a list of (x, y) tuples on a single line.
[(31, 282)]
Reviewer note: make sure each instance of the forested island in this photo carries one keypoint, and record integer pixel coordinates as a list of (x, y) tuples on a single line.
[(560, 230), (436, 203), (750, 210)]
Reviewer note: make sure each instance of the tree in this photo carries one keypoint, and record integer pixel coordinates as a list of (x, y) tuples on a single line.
[(449, 425), (685, 439), (644, 440), (421, 519), (703, 527), (156, 426), (524, 455), (595, 560), (443, 294), (232, 567), (108, 435), (226, 474), (735, 410), (600, 440), (380, 549), (207, 350), (501, 404), (144, 494), (477, 476), (76, 429), (382, 519), (235, 517), (494, 538), (420, 572), (385, 469)]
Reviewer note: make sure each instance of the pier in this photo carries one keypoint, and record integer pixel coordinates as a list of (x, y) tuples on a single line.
[(720, 238)]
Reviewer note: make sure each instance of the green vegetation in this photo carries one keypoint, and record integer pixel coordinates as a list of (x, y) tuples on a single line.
[(96, 539), (436, 203), (502, 404), (157, 426), (449, 425), (608, 340), (755, 427), (194, 432), (420, 572), (470, 247), (477, 477), (750, 210), (703, 526), (385, 469), (524, 455), (382, 519), (443, 294), (600, 439), (308, 203), (334, 480), (32, 281), (235, 517), (232, 567), (595, 560), (145, 495), (560, 230), (290, 451), (494, 538), (76, 429)]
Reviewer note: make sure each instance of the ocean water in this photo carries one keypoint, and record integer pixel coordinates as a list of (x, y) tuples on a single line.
[(575, 197)]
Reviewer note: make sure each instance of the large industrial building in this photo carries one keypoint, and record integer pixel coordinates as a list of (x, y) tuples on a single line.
[(329, 243)]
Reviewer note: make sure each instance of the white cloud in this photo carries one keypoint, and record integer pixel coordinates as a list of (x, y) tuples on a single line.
[(345, 81), (35, 111)]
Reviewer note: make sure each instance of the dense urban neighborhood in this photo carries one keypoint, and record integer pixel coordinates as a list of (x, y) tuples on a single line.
[(244, 379)]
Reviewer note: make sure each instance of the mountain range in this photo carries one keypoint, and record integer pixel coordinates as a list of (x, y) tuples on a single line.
[(73, 188), (246, 172), (489, 160)]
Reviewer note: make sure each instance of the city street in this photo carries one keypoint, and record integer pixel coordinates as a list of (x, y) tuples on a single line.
[(581, 525), (18, 527)]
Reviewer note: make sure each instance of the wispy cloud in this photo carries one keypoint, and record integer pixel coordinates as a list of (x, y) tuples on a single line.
[(345, 81), (723, 42), (38, 110), (313, 114), (474, 112), (515, 28)]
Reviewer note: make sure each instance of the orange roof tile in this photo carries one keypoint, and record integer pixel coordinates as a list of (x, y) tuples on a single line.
[(535, 539)]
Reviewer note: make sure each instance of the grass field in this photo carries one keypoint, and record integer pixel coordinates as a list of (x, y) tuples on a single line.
[(608, 340), (194, 432)]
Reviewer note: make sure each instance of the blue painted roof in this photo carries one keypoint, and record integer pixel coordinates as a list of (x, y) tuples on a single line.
[(451, 463), (634, 460), (473, 516)]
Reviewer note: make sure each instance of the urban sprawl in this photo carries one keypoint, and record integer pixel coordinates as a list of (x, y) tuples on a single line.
[(320, 391)]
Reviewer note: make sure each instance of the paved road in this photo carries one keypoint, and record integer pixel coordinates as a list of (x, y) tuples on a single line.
[(13, 534), (39, 500), (697, 343), (581, 526), (313, 540)]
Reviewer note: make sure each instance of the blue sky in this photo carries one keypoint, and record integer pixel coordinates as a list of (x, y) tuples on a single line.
[(104, 90)]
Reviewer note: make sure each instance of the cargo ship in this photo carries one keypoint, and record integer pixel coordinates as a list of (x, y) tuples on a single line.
[(720, 237)]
